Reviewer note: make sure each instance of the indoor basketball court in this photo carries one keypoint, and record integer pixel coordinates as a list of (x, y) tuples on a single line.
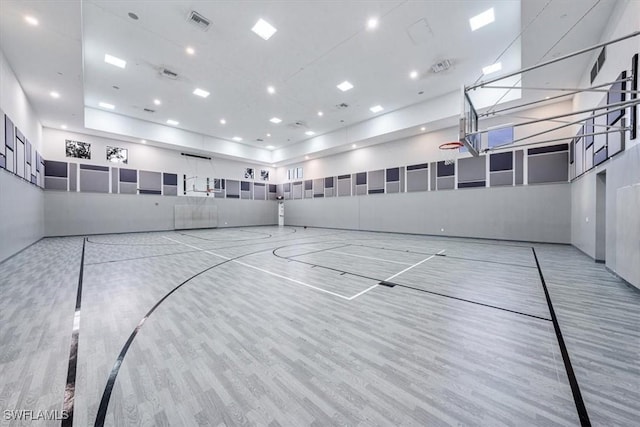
[(225, 214)]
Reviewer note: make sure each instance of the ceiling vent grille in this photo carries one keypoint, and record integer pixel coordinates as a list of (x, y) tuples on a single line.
[(149, 110), (342, 106), (168, 73), (441, 66), (199, 21)]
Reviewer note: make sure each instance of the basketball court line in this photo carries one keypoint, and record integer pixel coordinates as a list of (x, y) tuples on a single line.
[(366, 257), (266, 271)]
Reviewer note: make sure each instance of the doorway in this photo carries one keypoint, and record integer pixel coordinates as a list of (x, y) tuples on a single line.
[(601, 217)]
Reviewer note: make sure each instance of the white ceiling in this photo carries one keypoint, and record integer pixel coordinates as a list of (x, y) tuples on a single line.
[(318, 45)]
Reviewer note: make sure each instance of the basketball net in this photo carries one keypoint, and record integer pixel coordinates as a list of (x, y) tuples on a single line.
[(451, 150)]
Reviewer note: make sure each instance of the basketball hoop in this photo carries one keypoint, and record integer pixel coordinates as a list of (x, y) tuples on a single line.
[(452, 150)]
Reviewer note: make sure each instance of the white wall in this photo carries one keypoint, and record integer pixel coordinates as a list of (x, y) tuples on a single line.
[(623, 170), (68, 213), (148, 157), (539, 213), (419, 149), (21, 203)]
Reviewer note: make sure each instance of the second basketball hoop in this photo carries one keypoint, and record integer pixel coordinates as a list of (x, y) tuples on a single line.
[(451, 150)]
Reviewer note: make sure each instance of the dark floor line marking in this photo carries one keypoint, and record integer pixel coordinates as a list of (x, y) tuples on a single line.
[(316, 251), (106, 395), (469, 301), (70, 388), (387, 284), (447, 256), (573, 381), (330, 268), (130, 244), (268, 236)]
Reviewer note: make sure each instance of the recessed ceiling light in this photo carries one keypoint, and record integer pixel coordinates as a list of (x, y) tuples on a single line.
[(54, 94), (157, 101), (106, 105), (492, 68), (144, 141), (372, 23), (376, 108), (413, 74), (306, 157), (110, 59), (275, 120), (270, 147), (546, 97), (264, 29), (190, 50), (63, 126), (479, 21), (237, 138), (345, 86), (223, 122), (201, 92), (309, 133), (31, 20), (173, 122), (353, 145), (423, 128), (271, 90), (320, 113), (268, 134)]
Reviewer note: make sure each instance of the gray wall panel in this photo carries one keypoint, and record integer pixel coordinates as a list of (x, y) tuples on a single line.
[(128, 188), (114, 180), (94, 181), (360, 190), (21, 214), (432, 168), (170, 190), (329, 192), (150, 180), (297, 191), (529, 213), (553, 167), (375, 180), (94, 213), (519, 167), (393, 187), (446, 183), (73, 177), (472, 169), (53, 183), (501, 178), (233, 188), (259, 192), (418, 180), (344, 187)]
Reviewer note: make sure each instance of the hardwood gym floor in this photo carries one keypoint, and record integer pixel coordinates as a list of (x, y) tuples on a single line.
[(291, 327)]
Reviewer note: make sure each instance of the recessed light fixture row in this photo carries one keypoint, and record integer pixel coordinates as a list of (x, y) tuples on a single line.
[(376, 108), (110, 59), (54, 94), (106, 105), (271, 90), (263, 29), (173, 122), (237, 138), (31, 20), (190, 50), (482, 19), (413, 74), (275, 120), (372, 23), (201, 92), (345, 86), (63, 126), (157, 101), (223, 122), (309, 133)]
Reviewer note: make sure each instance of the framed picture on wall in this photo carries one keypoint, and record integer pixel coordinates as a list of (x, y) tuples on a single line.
[(264, 175), (249, 173), (77, 149), (117, 155)]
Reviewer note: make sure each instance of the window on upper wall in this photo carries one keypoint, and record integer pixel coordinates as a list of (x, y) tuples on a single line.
[(501, 136)]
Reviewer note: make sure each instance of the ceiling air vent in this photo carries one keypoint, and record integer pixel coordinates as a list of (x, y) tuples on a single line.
[(149, 110), (443, 65), (168, 73), (342, 106), (199, 21)]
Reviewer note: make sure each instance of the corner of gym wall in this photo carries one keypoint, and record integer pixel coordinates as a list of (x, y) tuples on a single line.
[(21, 203), (622, 171)]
